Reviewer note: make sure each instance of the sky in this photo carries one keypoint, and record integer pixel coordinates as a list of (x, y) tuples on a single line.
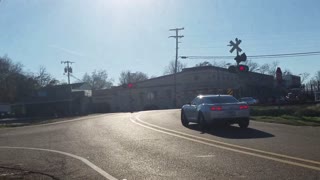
[(118, 35)]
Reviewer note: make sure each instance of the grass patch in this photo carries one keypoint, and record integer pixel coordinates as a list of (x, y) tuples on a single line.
[(312, 111), (9, 125), (289, 119), (34, 121), (299, 115)]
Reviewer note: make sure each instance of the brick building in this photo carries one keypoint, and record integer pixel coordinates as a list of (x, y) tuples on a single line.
[(158, 93)]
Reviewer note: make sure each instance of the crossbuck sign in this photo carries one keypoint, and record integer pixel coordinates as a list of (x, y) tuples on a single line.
[(235, 46)]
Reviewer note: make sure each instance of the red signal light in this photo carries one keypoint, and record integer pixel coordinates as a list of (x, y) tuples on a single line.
[(243, 68), (130, 85)]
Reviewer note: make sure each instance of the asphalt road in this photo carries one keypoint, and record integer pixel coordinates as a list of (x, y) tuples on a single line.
[(154, 145)]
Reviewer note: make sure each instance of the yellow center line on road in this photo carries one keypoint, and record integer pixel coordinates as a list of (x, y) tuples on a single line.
[(222, 145)]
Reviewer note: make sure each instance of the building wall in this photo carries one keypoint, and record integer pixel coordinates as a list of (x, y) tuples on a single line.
[(159, 92), (292, 81), (56, 100)]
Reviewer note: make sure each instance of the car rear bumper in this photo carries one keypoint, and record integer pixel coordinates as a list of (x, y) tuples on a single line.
[(234, 120), (229, 115)]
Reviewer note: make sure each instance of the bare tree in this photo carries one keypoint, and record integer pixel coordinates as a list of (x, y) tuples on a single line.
[(14, 83), (98, 80), (221, 64), (253, 66), (171, 67), (286, 72), (43, 78), (317, 76), (264, 68), (130, 77), (204, 63), (304, 77), (273, 68), (269, 69), (315, 80)]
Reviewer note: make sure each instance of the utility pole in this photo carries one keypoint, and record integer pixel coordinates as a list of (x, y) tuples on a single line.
[(68, 71), (177, 36)]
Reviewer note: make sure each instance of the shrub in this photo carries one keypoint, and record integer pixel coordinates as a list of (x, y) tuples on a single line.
[(299, 111), (271, 112), (312, 111)]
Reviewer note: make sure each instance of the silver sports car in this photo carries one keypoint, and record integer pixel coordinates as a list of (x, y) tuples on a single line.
[(209, 109)]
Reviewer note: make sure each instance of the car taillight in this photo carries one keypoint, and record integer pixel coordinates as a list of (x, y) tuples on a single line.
[(216, 108), (244, 106)]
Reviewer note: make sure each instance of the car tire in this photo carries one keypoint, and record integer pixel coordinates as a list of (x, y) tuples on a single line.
[(244, 123), (184, 120), (202, 122)]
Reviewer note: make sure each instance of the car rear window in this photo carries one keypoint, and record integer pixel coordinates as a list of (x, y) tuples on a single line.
[(246, 98), (221, 99)]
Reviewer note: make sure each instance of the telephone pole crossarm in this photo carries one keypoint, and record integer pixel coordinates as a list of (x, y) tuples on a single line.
[(67, 69)]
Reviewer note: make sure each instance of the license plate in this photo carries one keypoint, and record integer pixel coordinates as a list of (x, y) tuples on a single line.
[(231, 113)]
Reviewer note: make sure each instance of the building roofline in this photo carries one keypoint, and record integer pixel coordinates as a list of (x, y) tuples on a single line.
[(183, 71), (203, 68), (63, 85), (189, 70)]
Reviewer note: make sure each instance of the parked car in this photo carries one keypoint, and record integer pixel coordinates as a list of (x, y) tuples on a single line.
[(209, 109), (249, 100)]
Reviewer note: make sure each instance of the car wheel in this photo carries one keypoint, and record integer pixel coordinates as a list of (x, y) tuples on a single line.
[(184, 120), (202, 122), (244, 123)]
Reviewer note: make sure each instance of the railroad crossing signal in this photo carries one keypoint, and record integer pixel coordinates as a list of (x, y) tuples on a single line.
[(242, 57), (243, 68), (238, 69), (235, 46), (130, 85)]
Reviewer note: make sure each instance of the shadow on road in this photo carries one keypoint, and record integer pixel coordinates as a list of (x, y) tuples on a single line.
[(232, 132), (19, 173)]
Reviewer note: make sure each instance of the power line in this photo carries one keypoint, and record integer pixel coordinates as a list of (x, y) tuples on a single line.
[(75, 77), (288, 54), (265, 56)]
